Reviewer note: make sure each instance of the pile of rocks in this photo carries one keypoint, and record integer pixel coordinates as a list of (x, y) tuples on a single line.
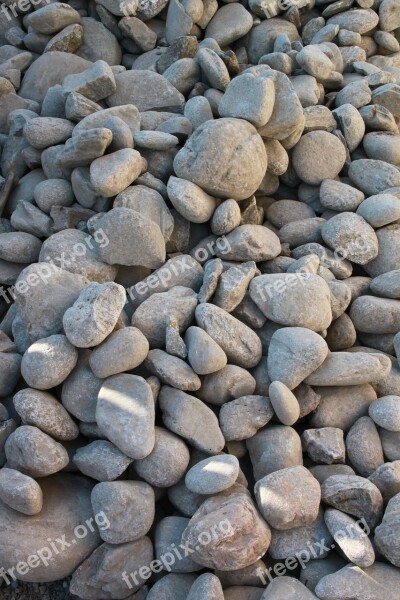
[(200, 311)]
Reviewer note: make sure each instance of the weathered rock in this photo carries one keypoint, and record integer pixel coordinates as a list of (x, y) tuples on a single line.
[(42, 410), (20, 492), (242, 522), (354, 495), (94, 314), (129, 506), (385, 412), (241, 418), (172, 370), (325, 445), (147, 91), (34, 453), (101, 572), (286, 299), (288, 498), (240, 344), (183, 415), (101, 460), (204, 354), (364, 447), (153, 315), (133, 239), (225, 171)]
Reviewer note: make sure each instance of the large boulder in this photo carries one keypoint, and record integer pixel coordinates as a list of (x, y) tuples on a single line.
[(225, 157), (25, 539), (48, 70)]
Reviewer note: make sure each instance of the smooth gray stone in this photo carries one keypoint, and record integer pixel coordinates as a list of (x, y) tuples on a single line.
[(128, 420)]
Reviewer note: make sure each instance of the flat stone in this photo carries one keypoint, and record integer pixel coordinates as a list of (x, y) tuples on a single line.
[(232, 285), (129, 506), (346, 368), (111, 174), (183, 413), (364, 448), (342, 406), (52, 18), (99, 43), (385, 412), (125, 414), (132, 239), (230, 23), (284, 586), (387, 479), (240, 419), (45, 412), (274, 448), (190, 200), (229, 382), (153, 315), (93, 576), (101, 460), (48, 70), (318, 155), (168, 534), (60, 291), (353, 580), (206, 586), (80, 390), (20, 492), (250, 242), (373, 176), (354, 495), (288, 498), (78, 252), (172, 370), (42, 132), (147, 91), (286, 299), (383, 312), (213, 475), (350, 537), (351, 236), (34, 453), (380, 210), (386, 534), (240, 344)]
